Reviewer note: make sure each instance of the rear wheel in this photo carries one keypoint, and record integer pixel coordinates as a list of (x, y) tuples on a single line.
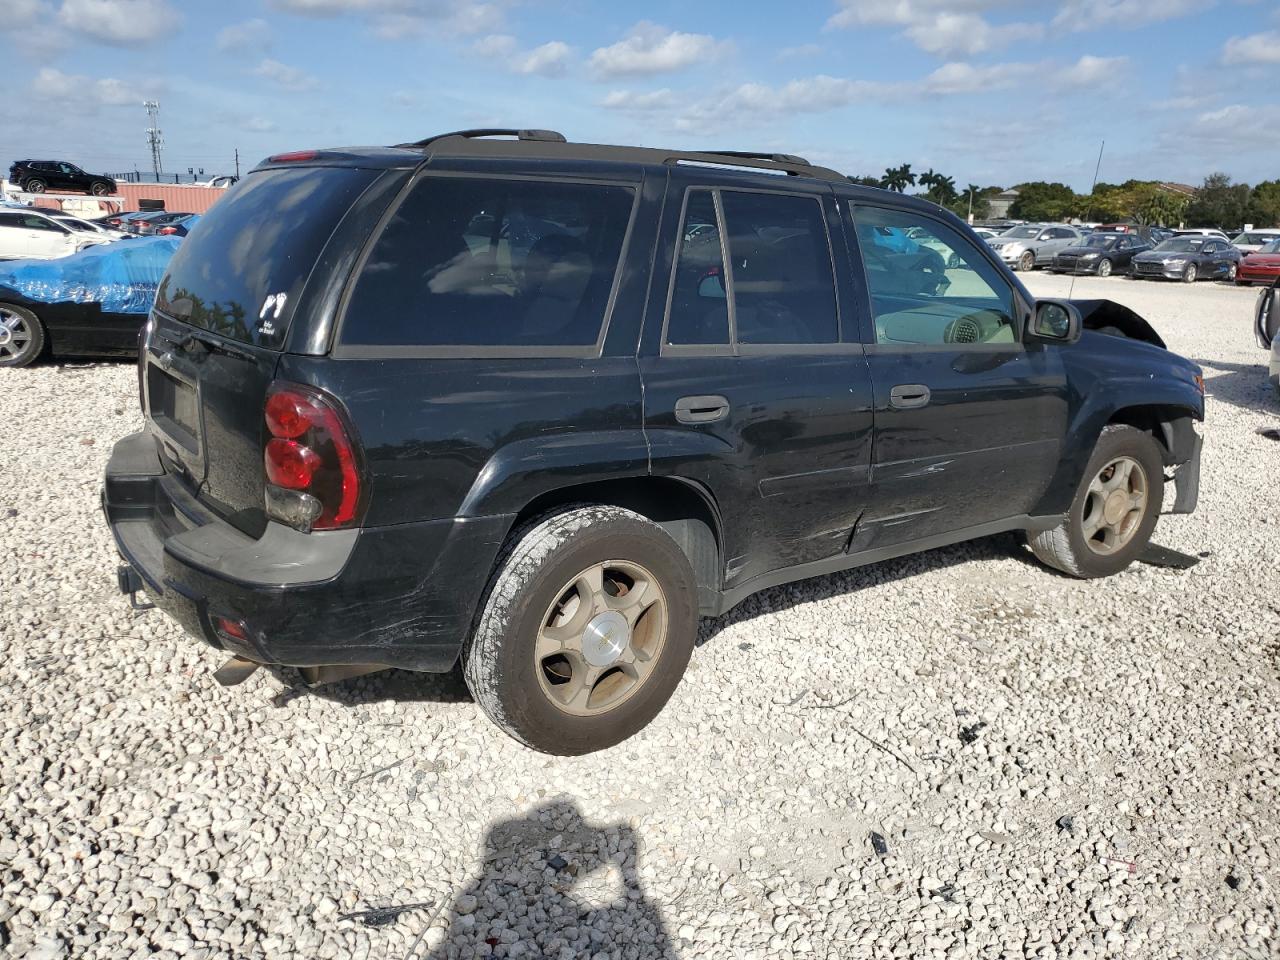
[(1190, 273), (21, 336), (35, 186), (1114, 512), (1027, 261), (1104, 268), (1232, 270), (586, 631)]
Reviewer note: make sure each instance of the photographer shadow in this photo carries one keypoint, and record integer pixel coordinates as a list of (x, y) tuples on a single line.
[(551, 885)]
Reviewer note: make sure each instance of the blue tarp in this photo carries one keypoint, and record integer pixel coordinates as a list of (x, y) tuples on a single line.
[(121, 275)]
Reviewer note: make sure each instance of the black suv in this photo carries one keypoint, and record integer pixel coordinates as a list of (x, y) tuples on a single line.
[(37, 176), (538, 406)]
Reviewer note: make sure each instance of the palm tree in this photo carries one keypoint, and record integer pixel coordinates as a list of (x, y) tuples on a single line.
[(898, 178)]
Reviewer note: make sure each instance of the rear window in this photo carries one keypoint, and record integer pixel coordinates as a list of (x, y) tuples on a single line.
[(486, 262), (241, 272)]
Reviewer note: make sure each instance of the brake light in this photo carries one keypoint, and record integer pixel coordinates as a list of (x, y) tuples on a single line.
[(297, 156), (311, 461), (166, 231)]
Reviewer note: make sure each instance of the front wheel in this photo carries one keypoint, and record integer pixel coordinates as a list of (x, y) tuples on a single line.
[(1114, 512), (1232, 270), (1027, 261), (21, 336), (586, 630), (1104, 268), (1189, 274), (100, 188)]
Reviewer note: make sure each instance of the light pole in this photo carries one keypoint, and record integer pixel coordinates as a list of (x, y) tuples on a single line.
[(154, 137)]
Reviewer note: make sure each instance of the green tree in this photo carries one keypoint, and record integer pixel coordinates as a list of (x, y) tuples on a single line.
[(1044, 201), (865, 181), (1219, 203), (941, 189), (1152, 204), (898, 179), (1264, 204)]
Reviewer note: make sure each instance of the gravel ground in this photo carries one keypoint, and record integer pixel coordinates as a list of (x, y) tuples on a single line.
[(959, 754)]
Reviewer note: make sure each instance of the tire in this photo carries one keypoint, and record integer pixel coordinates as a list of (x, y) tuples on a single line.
[(531, 696), (1068, 547), (1027, 261), (1104, 267), (18, 350), (100, 188), (1189, 273), (1232, 270), (35, 186)]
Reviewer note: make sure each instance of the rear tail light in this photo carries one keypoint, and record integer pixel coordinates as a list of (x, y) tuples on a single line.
[(166, 231), (311, 460)]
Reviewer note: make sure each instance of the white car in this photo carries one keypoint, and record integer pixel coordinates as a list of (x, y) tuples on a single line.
[(1202, 232), (87, 227), (1251, 241), (1032, 245), (30, 234)]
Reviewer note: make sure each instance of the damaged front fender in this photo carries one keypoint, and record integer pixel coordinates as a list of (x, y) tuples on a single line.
[(1107, 316)]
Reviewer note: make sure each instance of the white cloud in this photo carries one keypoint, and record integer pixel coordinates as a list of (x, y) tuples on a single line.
[(1133, 14), (1256, 48), (1090, 71), (121, 23), (403, 19), (631, 100), (941, 27), (250, 37), (1231, 129), (283, 75), (649, 49), (54, 85), (261, 125), (548, 60), (957, 78)]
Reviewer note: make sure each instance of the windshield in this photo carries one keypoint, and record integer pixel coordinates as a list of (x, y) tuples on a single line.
[(1255, 238), (1103, 240), (1272, 247), (1021, 233), (254, 249), (1181, 245)]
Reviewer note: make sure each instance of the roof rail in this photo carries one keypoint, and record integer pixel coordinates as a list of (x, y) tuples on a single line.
[(790, 158), (546, 136)]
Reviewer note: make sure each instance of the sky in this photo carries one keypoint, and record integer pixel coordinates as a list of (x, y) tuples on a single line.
[(992, 92)]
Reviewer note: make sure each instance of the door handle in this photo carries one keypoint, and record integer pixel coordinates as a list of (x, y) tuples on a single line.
[(706, 409), (908, 396)]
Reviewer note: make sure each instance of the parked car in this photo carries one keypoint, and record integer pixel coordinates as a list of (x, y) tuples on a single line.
[(1202, 232), (92, 303), (1251, 241), (1100, 253), (1159, 235), (1034, 244), (37, 176), (1260, 266), (371, 444), (1189, 258), (149, 223), (120, 221), (1266, 327), (178, 229), (80, 225), (32, 234)]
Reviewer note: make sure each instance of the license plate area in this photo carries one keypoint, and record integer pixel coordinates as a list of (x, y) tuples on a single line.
[(175, 407)]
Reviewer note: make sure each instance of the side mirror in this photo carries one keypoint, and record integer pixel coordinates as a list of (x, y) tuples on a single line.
[(1055, 321), (1266, 316)]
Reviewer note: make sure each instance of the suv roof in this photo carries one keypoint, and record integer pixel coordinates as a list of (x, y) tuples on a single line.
[(549, 145)]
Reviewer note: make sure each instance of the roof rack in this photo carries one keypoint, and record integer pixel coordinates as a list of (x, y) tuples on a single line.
[(790, 158), (545, 136)]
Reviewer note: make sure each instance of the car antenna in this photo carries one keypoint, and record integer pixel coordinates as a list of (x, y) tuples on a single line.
[(1088, 212)]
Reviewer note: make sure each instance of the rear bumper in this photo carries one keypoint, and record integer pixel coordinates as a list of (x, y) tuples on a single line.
[(401, 596)]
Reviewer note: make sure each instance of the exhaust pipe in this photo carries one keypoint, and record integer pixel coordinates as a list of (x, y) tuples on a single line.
[(234, 671)]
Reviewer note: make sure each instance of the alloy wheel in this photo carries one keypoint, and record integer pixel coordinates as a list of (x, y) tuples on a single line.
[(601, 638), (1115, 505), (15, 335)]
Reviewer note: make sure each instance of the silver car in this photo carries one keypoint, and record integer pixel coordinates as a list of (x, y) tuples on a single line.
[(1031, 245)]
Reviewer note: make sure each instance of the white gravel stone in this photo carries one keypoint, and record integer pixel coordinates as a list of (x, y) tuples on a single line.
[(148, 811)]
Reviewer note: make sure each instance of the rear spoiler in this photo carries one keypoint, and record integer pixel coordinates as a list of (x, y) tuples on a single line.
[(1110, 317)]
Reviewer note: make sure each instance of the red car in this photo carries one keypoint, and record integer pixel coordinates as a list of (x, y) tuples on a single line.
[(1261, 266)]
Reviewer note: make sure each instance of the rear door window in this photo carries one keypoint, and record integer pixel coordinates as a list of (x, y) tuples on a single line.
[(242, 272), (479, 262), (778, 288)]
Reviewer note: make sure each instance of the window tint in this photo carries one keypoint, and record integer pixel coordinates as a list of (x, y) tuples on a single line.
[(34, 222), (935, 289), (488, 262), (779, 268), (699, 305)]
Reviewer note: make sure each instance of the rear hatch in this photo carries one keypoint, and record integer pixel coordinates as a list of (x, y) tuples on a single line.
[(221, 319)]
